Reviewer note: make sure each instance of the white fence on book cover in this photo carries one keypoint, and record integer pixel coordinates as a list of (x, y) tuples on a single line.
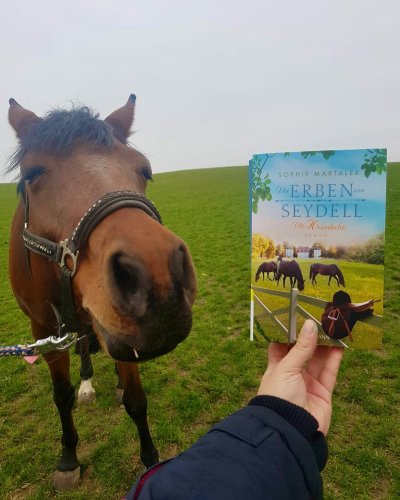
[(292, 309)]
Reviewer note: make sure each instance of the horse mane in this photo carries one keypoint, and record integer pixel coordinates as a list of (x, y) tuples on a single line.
[(291, 266), (60, 129), (260, 268), (340, 276)]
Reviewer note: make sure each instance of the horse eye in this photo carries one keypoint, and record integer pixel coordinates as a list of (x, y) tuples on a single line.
[(29, 176), (146, 172), (32, 174)]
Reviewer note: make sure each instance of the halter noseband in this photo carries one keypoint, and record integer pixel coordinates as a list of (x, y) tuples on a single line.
[(58, 252)]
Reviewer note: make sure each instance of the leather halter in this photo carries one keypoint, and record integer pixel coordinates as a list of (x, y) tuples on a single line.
[(58, 252)]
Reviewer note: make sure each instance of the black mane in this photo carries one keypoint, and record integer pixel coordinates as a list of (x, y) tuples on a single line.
[(59, 130)]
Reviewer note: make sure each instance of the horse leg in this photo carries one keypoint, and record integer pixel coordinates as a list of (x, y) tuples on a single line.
[(119, 390), (329, 280), (135, 403), (67, 475), (86, 392), (337, 280)]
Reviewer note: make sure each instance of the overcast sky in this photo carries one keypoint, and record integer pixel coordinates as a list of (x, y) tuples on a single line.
[(216, 81)]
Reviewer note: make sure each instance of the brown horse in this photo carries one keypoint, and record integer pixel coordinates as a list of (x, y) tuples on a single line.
[(266, 267), (290, 269), (88, 253), (331, 270)]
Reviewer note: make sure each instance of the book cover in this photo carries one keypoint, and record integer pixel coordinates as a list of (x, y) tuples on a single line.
[(317, 228)]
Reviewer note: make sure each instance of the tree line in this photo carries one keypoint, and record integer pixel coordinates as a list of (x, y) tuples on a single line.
[(371, 252)]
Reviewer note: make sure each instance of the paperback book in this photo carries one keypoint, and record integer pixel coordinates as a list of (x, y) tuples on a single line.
[(318, 236)]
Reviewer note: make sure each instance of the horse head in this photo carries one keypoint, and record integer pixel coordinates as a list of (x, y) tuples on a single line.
[(134, 283), (300, 284)]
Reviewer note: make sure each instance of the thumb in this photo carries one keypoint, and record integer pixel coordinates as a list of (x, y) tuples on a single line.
[(304, 348)]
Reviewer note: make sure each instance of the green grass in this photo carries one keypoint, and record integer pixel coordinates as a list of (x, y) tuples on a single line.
[(214, 372)]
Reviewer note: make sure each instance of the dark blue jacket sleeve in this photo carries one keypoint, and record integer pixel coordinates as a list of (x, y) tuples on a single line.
[(270, 449)]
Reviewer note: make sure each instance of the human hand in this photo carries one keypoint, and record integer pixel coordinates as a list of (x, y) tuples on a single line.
[(304, 374)]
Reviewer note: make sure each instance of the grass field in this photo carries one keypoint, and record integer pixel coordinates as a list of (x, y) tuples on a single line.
[(215, 371)]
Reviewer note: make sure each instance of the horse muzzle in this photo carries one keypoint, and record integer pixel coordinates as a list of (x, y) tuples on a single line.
[(146, 306), (157, 333), (134, 282)]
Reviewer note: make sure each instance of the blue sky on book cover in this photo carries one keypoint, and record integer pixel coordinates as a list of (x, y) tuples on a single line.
[(329, 199)]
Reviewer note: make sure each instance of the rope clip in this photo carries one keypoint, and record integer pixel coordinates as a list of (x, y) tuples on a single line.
[(53, 343)]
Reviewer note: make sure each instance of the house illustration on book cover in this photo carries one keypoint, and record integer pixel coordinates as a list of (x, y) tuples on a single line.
[(317, 226)]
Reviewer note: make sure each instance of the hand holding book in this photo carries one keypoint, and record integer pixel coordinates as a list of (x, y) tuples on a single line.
[(304, 374)]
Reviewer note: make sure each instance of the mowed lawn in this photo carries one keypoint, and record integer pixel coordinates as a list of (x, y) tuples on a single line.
[(214, 372)]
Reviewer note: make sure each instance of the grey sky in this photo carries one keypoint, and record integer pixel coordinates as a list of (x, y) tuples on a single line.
[(216, 81)]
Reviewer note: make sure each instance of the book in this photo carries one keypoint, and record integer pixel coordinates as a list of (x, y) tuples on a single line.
[(317, 230)]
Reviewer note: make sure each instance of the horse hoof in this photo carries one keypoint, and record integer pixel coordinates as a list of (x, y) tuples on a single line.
[(67, 480), (118, 395), (149, 457), (86, 393), (86, 397)]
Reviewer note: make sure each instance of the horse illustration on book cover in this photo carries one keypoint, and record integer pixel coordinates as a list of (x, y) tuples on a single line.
[(318, 223)]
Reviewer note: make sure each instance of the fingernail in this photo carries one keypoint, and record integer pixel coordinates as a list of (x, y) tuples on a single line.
[(310, 328)]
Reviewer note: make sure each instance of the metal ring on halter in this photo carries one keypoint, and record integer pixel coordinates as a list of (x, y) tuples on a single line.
[(65, 251)]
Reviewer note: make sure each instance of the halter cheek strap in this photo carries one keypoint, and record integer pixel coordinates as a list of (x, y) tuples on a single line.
[(58, 252)]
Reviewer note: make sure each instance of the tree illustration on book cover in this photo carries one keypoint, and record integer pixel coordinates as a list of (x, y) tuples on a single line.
[(318, 225)]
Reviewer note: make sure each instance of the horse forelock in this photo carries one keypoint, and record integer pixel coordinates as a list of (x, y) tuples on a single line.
[(60, 129)]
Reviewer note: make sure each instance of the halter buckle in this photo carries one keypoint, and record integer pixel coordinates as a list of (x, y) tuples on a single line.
[(67, 252)]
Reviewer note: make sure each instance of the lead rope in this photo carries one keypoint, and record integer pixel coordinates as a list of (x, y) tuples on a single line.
[(41, 346), (60, 342), (17, 350)]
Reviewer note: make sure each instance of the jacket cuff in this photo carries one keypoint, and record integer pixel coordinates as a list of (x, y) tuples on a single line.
[(301, 420)]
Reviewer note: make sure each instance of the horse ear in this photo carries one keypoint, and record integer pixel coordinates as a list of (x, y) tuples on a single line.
[(20, 118), (122, 118)]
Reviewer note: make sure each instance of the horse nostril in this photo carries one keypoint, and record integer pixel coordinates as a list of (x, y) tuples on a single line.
[(182, 273), (129, 284), (177, 265)]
